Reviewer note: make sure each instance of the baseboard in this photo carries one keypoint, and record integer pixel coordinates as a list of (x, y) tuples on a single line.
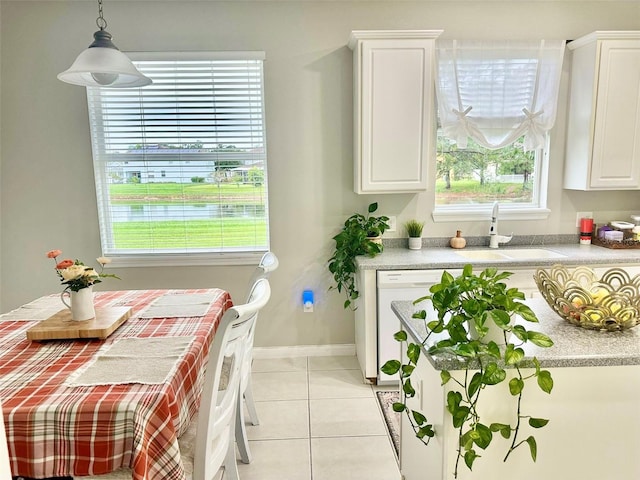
[(304, 351)]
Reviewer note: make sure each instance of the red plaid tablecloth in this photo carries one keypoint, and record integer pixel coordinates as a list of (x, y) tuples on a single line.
[(56, 430)]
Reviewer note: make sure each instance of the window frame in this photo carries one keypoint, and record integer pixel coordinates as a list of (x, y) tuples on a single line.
[(251, 255), (537, 210)]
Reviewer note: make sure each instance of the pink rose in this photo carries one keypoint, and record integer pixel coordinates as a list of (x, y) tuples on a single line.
[(53, 253), (64, 264)]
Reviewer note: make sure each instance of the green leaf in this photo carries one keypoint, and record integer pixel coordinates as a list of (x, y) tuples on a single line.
[(413, 352), (466, 440), (504, 429), (373, 207), (526, 313), (400, 336), (545, 382), (407, 370), (465, 350), (484, 436), (516, 385), (493, 374), (474, 384), (533, 447), (436, 326), (494, 350), (399, 407), (445, 376), (391, 367), (408, 389), (459, 416), (520, 332), (467, 270), (426, 431), (453, 401), (538, 422), (500, 317), (539, 339), (419, 417), (513, 355), (422, 313), (469, 458)]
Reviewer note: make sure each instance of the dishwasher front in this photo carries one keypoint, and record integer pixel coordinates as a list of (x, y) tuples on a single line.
[(398, 285)]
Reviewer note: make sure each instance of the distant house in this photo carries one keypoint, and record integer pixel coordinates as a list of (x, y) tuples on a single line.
[(159, 164)]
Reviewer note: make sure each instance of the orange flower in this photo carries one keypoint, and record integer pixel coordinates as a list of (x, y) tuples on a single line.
[(53, 253), (64, 264)]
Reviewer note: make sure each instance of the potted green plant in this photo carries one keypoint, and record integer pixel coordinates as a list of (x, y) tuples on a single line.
[(414, 231), (360, 235), (475, 302)]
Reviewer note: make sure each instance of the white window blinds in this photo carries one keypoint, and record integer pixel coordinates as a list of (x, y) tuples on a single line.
[(497, 91), (180, 165)]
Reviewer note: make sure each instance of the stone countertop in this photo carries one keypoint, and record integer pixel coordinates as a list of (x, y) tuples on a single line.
[(573, 346), (446, 257)]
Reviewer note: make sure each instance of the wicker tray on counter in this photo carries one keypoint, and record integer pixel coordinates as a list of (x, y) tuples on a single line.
[(624, 244)]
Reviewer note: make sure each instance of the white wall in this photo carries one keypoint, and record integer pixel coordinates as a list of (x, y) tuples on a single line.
[(47, 190)]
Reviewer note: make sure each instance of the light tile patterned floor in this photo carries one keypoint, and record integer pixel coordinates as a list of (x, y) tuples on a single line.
[(318, 421)]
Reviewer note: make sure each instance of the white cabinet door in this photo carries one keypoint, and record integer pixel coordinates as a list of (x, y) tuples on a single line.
[(603, 135), (393, 110)]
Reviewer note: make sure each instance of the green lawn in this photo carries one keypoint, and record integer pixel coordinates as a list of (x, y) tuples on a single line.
[(510, 192), (191, 234), (205, 233), (135, 193)]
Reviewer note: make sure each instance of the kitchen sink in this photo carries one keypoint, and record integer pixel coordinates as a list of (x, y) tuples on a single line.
[(481, 255), (524, 253), (510, 254)]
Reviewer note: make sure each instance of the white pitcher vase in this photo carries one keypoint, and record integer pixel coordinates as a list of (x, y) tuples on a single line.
[(81, 303)]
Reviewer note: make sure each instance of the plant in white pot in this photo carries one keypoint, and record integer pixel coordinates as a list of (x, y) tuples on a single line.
[(414, 231), (476, 302), (360, 235)]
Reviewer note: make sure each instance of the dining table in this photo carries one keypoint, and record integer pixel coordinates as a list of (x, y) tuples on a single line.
[(89, 406)]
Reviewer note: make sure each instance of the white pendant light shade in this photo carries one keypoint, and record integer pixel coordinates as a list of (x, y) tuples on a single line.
[(102, 64), (104, 67)]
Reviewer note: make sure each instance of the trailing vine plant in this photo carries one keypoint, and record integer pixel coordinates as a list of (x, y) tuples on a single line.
[(463, 303), (355, 239)]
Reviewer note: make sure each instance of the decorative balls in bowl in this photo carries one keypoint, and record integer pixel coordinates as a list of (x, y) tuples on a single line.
[(611, 302)]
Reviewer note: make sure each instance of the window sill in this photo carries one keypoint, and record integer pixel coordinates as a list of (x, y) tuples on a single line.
[(483, 212), (185, 260)]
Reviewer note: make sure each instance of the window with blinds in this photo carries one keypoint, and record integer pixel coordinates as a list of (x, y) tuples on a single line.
[(180, 165), (497, 103)]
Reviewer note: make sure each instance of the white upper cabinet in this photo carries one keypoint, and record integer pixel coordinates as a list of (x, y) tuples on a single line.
[(394, 105), (603, 134)]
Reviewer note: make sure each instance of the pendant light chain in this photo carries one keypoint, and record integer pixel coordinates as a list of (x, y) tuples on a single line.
[(100, 21)]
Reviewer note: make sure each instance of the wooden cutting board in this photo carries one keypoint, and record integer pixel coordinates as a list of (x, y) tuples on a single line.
[(61, 327)]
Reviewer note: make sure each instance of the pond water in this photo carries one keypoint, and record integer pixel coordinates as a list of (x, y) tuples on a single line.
[(159, 213)]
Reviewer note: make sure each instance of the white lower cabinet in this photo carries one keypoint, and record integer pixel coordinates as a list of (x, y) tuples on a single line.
[(591, 435)]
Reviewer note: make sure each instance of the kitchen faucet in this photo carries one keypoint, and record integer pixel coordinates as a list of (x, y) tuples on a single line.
[(494, 238)]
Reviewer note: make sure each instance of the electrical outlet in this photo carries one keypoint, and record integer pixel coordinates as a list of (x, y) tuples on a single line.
[(580, 215), (392, 224)]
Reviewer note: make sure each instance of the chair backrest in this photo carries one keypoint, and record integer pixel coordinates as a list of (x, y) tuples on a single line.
[(216, 418), (268, 264)]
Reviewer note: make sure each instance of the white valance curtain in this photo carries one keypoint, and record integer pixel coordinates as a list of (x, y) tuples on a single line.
[(497, 91)]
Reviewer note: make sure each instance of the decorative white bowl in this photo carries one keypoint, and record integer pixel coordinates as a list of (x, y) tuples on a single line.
[(611, 302)]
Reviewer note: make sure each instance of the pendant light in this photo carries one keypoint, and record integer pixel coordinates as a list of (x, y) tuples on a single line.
[(102, 64)]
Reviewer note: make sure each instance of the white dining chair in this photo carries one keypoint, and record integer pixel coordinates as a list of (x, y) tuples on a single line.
[(267, 265), (209, 443)]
